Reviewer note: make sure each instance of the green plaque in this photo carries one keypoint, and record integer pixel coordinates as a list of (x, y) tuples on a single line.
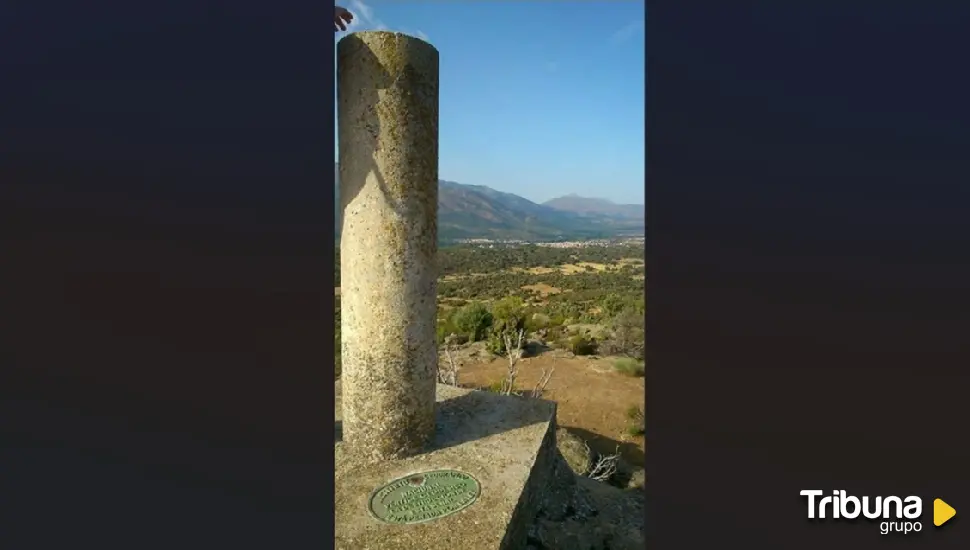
[(422, 497)]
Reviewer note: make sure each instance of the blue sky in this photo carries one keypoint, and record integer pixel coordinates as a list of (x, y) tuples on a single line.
[(538, 98)]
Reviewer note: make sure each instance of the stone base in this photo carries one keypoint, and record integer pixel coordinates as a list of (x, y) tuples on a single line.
[(507, 443)]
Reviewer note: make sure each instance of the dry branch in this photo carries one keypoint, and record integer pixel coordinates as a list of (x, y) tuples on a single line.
[(514, 354), (449, 375), (541, 384), (604, 467)]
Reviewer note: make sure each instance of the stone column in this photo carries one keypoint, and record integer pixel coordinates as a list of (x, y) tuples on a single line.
[(387, 97)]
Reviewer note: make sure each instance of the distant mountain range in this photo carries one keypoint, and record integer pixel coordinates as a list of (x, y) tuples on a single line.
[(587, 206), (476, 211)]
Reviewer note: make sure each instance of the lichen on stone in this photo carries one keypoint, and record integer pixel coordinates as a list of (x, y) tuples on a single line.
[(388, 117)]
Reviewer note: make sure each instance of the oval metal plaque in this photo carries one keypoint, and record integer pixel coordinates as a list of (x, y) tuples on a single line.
[(425, 496)]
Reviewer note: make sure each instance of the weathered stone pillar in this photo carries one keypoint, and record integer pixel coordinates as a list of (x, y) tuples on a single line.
[(387, 97)]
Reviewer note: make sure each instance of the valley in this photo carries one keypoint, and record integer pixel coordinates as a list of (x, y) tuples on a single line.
[(480, 212)]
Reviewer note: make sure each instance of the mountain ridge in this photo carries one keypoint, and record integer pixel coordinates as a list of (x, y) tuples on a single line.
[(478, 211), (596, 206)]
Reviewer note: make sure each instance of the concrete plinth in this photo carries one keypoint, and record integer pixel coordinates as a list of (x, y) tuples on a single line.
[(507, 443), (387, 96)]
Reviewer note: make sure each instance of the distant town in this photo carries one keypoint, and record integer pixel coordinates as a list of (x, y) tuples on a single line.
[(493, 243)]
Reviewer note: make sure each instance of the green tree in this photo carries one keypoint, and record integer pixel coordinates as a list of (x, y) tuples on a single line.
[(613, 304), (473, 320), (508, 318), (509, 310)]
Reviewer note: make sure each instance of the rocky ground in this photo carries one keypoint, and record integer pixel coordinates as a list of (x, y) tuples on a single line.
[(593, 403), (585, 514), (593, 399)]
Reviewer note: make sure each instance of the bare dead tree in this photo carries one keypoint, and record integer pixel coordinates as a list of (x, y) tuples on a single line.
[(603, 468), (514, 353), (541, 384), (449, 374)]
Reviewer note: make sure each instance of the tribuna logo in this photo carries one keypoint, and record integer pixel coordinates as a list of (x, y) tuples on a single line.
[(839, 505)]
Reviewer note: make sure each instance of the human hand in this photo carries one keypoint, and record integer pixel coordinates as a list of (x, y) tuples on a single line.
[(341, 18)]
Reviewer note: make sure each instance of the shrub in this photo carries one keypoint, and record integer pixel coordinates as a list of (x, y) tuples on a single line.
[(628, 333), (609, 347), (456, 339), (564, 309), (508, 318), (510, 310), (635, 414), (535, 322), (496, 341), (612, 304), (555, 333), (472, 320), (441, 332), (588, 318), (580, 345), (497, 386), (629, 367)]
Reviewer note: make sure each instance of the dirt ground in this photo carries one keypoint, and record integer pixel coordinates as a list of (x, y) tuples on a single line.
[(592, 398)]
